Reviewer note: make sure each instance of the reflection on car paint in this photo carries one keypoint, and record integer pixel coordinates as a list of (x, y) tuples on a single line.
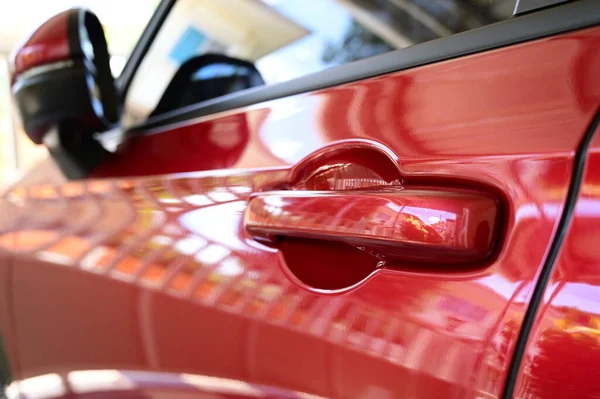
[(154, 287), (563, 351), (144, 233)]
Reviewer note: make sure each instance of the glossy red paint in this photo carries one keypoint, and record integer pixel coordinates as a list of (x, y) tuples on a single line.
[(218, 144), (420, 225), (563, 351), (159, 274), (47, 45), (352, 192)]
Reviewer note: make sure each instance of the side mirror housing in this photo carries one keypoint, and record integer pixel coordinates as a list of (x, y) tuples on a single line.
[(63, 87)]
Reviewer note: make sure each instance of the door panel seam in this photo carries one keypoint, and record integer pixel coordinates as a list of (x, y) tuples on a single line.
[(559, 237)]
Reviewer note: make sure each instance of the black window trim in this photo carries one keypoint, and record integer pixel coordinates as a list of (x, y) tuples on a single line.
[(546, 22), (123, 81)]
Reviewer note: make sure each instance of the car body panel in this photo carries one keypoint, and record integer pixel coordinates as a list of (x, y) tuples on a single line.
[(158, 274), (489, 104), (564, 345)]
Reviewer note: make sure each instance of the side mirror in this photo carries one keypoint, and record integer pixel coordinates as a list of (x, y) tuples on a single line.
[(64, 89), (205, 77)]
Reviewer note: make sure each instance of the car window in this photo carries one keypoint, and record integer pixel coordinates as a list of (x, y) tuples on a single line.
[(286, 39)]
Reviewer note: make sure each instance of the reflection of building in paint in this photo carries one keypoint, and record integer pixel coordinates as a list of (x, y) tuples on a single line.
[(192, 41), (154, 236)]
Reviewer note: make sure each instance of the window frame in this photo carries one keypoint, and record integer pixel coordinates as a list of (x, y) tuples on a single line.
[(549, 21), (123, 81)]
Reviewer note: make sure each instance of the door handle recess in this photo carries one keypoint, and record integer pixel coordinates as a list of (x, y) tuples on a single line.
[(423, 224)]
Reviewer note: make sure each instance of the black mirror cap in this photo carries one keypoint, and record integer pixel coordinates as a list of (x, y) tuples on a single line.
[(62, 74)]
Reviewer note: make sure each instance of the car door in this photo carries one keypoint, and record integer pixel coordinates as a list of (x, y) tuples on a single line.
[(563, 327), (379, 229)]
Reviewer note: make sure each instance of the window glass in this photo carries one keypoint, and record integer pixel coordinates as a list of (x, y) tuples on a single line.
[(286, 39)]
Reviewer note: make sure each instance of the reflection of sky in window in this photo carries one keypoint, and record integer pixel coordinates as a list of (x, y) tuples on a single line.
[(326, 21), (217, 71)]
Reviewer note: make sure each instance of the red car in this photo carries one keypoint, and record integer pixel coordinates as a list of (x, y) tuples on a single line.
[(423, 222)]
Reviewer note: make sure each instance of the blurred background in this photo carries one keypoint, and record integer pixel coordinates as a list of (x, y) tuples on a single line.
[(285, 39)]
